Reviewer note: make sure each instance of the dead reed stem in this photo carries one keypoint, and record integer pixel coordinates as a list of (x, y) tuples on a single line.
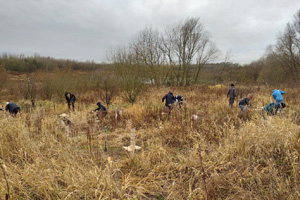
[(3, 167)]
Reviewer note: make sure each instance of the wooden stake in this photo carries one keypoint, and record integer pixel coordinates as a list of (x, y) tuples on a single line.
[(105, 148), (132, 141)]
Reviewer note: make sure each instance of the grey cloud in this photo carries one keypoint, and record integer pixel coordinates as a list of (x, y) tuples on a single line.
[(86, 30)]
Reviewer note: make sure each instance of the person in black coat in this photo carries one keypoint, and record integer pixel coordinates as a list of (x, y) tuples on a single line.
[(231, 94), (170, 99), (101, 109), (70, 99), (12, 108)]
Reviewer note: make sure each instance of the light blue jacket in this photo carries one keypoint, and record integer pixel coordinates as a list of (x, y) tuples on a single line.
[(277, 95)]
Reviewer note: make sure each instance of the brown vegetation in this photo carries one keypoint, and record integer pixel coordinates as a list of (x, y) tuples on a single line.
[(221, 155)]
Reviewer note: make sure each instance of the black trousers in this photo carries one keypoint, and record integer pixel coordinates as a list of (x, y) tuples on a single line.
[(69, 104)]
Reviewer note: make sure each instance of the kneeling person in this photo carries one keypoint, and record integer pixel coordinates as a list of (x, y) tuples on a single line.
[(101, 109)]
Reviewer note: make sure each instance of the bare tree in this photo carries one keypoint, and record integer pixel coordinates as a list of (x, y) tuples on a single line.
[(131, 81), (287, 49), (188, 44), (147, 49), (206, 54), (186, 47), (122, 55), (29, 89), (224, 66), (107, 88), (129, 73)]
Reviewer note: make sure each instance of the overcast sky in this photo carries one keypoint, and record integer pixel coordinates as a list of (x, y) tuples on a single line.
[(85, 30)]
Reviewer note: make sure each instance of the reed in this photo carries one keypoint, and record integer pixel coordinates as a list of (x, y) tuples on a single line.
[(220, 155)]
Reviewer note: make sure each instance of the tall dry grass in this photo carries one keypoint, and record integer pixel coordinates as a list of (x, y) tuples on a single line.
[(221, 155)]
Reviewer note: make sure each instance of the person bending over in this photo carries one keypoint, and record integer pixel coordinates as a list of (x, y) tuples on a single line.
[(70, 99), (272, 108), (245, 102), (170, 99), (12, 108), (277, 95)]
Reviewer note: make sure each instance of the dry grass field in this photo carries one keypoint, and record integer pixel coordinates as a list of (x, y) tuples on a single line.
[(220, 155)]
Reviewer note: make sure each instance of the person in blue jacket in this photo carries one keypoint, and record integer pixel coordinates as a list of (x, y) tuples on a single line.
[(277, 95)]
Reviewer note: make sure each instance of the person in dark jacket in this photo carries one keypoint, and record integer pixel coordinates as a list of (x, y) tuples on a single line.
[(231, 94), (12, 108), (170, 99), (179, 99), (101, 109), (245, 102), (70, 99), (272, 108)]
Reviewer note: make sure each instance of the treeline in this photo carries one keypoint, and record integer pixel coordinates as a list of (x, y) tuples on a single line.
[(281, 62), (119, 81), (162, 75), (181, 55), (127, 82), (21, 63), (174, 56)]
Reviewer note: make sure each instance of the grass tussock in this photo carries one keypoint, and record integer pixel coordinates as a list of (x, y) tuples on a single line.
[(220, 155)]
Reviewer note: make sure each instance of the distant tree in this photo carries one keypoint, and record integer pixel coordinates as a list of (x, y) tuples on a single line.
[(186, 45), (122, 55), (47, 87), (131, 82), (271, 71), (63, 81), (287, 49), (3, 76), (147, 49), (29, 89), (224, 66), (130, 75), (107, 87)]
